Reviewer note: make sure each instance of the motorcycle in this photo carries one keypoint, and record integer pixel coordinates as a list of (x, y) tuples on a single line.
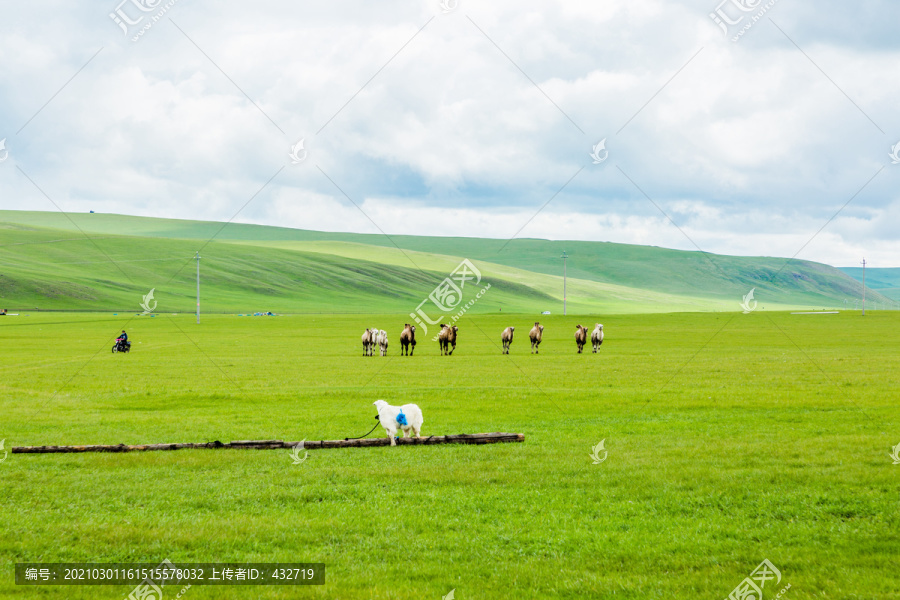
[(121, 346)]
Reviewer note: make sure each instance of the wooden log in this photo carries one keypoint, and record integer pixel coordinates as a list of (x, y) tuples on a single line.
[(463, 438), (258, 444), (116, 448)]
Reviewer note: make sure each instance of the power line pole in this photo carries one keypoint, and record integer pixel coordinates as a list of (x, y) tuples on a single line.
[(864, 286), (198, 287), (564, 257)]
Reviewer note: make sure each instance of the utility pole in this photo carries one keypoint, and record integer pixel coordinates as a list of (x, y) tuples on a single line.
[(864, 286), (198, 287), (564, 257)]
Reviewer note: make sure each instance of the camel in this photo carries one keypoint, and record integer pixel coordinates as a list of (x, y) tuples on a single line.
[(536, 334), (597, 337), (408, 340), (580, 337), (447, 339), (507, 338)]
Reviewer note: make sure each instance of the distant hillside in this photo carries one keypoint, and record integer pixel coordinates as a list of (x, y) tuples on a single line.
[(83, 261), (885, 281), (50, 269)]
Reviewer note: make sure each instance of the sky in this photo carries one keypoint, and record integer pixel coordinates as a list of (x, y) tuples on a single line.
[(741, 127)]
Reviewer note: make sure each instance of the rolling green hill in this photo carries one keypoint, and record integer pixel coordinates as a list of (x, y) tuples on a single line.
[(885, 281), (108, 262)]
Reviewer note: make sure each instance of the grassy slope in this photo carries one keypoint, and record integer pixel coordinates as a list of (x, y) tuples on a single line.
[(584, 296), (885, 281), (731, 438), (604, 277), (42, 270)]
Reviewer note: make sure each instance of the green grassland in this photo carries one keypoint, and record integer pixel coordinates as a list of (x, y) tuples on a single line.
[(56, 261), (44, 271), (731, 438)]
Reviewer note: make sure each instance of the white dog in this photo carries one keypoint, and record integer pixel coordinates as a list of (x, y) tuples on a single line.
[(390, 417)]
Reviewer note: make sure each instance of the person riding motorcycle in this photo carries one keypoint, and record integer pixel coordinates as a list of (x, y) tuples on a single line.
[(122, 340)]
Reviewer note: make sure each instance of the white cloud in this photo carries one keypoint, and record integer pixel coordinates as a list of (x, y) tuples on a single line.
[(751, 149)]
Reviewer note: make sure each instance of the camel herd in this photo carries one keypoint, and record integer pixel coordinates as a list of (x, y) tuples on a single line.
[(373, 338)]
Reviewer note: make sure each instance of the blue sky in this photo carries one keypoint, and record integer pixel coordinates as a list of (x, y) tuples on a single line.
[(468, 118)]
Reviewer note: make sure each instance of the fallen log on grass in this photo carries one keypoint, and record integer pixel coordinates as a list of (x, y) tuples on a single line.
[(463, 438)]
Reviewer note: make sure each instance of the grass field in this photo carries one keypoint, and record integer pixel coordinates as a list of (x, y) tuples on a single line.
[(731, 438), (57, 261)]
